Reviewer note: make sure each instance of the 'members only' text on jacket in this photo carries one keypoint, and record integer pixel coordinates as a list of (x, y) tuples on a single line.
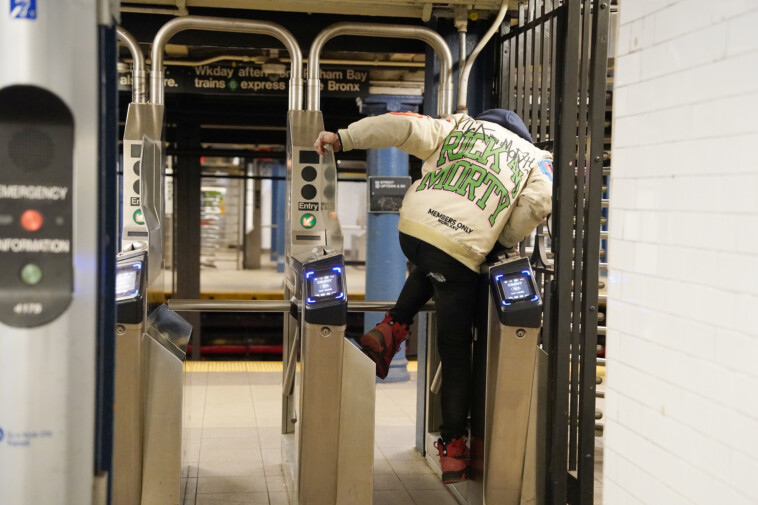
[(480, 182)]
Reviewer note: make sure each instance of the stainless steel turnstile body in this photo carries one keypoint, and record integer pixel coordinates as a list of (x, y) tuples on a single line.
[(149, 407), (505, 462), (329, 459), (128, 418), (508, 411), (163, 375), (148, 457)]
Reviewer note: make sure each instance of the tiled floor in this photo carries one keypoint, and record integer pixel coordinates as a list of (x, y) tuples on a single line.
[(234, 439)]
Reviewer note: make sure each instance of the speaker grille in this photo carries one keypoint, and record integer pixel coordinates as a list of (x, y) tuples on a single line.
[(31, 149)]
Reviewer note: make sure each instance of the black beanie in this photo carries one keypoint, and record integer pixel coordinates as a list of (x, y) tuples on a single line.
[(508, 120)]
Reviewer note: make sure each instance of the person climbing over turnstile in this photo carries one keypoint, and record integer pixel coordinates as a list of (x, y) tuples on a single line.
[(484, 185)]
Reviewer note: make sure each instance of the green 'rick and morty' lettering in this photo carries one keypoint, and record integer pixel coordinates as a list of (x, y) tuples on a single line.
[(473, 174)]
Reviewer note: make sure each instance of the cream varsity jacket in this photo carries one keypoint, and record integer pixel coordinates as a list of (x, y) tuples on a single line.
[(480, 182)]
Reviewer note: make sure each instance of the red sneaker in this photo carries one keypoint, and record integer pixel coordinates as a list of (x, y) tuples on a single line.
[(454, 459), (383, 342)]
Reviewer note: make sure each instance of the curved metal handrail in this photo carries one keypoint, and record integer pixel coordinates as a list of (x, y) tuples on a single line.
[(226, 25), (435, 40), (139, 78)]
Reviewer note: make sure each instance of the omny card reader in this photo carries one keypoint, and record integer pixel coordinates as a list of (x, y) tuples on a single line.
[(130, 287), (516, 295), (324, 291)]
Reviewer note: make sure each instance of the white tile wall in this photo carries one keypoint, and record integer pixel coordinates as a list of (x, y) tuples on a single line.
[(682, 345)]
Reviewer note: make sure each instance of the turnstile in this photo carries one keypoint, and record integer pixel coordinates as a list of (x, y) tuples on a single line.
[(328, 406), (150, 352), (507, 412), (151, 341)]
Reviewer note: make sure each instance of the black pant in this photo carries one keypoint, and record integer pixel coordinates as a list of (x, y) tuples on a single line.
[(454, 287)]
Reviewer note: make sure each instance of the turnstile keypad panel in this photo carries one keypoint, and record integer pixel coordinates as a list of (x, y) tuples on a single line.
[(134, 228), (313, 187), (36, 206)]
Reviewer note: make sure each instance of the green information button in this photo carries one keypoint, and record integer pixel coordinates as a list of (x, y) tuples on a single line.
[(31, 274)]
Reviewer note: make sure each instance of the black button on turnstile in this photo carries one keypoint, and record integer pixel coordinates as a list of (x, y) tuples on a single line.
[(309, 192), (309, 174), (329, 191)]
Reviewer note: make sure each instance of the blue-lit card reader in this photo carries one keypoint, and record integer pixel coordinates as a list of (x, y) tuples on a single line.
[(130, 286), (516, 294), (324, 291), (502, 473)]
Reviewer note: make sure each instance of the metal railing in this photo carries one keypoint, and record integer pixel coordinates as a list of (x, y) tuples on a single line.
[(182, 305), (139, 77), (435, 40), (226, 25)]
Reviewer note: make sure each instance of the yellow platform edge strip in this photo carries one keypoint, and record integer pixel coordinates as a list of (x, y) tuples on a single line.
[(248, 366)]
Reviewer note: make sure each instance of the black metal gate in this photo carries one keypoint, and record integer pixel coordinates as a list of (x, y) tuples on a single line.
[(553, 74)]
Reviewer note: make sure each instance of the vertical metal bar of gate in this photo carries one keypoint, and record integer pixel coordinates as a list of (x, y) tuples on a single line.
[(598, 64), (534, 9), (528, 37), (581, 158), (563, 213), (520, 58), (553, 72), (505, 66), (547, 6), (513, 74)]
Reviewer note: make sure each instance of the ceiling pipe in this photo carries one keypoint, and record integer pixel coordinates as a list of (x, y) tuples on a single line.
[(461, 24), (139, 78), (226, 25), (445, 98), (464, 74)]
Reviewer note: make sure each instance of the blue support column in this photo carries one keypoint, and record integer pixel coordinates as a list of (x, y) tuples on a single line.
[(385, 262), (278, 213)]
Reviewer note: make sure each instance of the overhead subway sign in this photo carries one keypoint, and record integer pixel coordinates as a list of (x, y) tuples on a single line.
[(252, 79)]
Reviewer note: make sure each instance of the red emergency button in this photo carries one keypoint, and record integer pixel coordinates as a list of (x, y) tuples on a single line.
[(31, 220)]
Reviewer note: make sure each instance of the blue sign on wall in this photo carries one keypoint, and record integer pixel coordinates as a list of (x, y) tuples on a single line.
[(24, 9)]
